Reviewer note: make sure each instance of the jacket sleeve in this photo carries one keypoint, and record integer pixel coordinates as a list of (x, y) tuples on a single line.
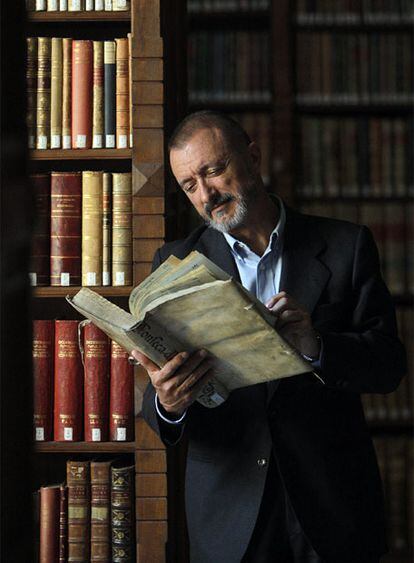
[(369, 358)]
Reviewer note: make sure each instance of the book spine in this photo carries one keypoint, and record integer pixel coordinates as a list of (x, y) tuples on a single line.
[(82, 81), (31, 89), (40, 5), (122, 93), (120, 5), (63, 524), (122, 513), (131, 126), (98, 92), (56, 93), (52, 5), (121, 229), (49, 524), (40, 259), (42, 357), (63, 5), (43, 93), (121, 400), (107, 229), (65, 228), (78, 481), (92, 201), (67, 93), (75, 5), (101, 511), (110, 93), (68, 383), (36, 525), (96, 364)]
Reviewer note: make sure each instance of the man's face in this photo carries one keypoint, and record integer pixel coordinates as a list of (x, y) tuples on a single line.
[(219, 181)]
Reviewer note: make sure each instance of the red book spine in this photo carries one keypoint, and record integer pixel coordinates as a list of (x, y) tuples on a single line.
[(68, 383), (65, 228), (96, 363), (82, 91), (63, 524), (42, 353), (49, 524), (40, 260), (121, 402)]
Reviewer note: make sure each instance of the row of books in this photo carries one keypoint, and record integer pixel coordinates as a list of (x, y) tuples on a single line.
[(393, 228), (355, 67), (399, 405), (77, 5), (83, 233), (90, 517), (83, 384), (208, 6), (259, 128), (354, 11), (351, 157), (396, 462), (229, 66), (78, 93)]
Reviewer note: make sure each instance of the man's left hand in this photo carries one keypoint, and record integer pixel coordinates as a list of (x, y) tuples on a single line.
[(294, 324)]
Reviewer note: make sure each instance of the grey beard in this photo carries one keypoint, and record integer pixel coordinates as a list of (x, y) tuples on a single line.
[(237, 219)]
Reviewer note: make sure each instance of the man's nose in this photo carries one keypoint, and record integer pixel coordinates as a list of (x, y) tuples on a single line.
[(207, 190)]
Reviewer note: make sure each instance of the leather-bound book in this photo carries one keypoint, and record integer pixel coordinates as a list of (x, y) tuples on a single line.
[(67, 93), (82, 91), (65, 228), (121, 400), (120, 5), (56, 93), (43, 93), (122, 513), (101, 511), (40, 259), (75, 5), (42, 358), (98, 95), (96, 387), (109, 93), (131, 126), (78, 481), (92, 201), (68, 383), (49, 523), (63, 524), (36, 525), (122, 93), (107, 229), (31, 90), (121, 229)]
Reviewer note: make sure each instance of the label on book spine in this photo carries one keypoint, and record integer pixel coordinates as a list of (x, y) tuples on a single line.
[(31, 141), (33, 278), (52, 5), (55, 142), (121, 434), (42, 142), (68, 433), (120, 4), (40, 434), (40, 5), (122, 141), (106, 278), (108, 5), (64, 278), (120, 278), (99, 5), (63, 5), (97, 142), (89, 5), (81, 141), (91, 278), (96, 434), (110, 141), (67, 142), (75, 6)]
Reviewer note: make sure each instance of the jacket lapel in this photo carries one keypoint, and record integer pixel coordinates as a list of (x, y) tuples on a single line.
[(213, 245)]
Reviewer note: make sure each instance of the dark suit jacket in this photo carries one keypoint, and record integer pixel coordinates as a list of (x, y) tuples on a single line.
[(318, 431)]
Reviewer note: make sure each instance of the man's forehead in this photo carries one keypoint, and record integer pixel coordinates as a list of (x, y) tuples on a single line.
[(201, 146)]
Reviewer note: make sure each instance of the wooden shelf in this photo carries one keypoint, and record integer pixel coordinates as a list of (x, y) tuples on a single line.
[(81, 154), (99, 447), (110, 291), (78, 17)]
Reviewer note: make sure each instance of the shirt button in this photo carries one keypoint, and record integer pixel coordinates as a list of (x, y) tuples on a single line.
[(261, 462)]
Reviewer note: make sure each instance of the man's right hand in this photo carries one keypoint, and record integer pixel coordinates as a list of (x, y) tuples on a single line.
[(180, 381)]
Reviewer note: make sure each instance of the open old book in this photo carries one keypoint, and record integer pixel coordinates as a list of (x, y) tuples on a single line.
[(191, 304)]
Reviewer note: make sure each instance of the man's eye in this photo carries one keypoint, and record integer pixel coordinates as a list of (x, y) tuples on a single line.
[(189, 188), (215, 170)]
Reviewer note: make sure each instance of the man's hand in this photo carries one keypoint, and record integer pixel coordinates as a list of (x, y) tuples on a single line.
[(294, 324), (179, 382)]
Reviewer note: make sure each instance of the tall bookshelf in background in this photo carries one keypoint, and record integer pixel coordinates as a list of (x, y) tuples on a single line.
[(145, 160)]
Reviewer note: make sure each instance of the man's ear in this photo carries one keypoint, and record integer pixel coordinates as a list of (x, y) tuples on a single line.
[(255, 156)]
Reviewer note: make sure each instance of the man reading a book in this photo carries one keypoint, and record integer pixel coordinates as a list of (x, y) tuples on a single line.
[(285, 471)]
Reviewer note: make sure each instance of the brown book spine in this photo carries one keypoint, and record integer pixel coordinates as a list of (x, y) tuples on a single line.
[(68, 383), (92, 201), (63, 524), (43, 356), (31, 89), (122, 513), (121, 401), (65, 228), (121, 229), (82, 92), (131, 126), (98, 99), (122, 93), (56, 94), (67, 93), (101, 511), (107, 228), (78, 480), (96, 363), (40, 259), (49, 524), (43, 93)]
